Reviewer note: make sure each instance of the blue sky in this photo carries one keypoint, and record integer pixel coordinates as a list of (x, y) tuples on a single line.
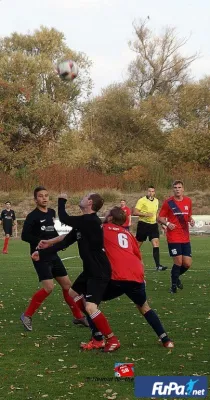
[(102, 28)]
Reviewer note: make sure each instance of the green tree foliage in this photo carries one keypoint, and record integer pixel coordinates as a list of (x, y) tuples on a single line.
[(188, 136), (74, 150), (118, 127), (36, 106), (144, 127)]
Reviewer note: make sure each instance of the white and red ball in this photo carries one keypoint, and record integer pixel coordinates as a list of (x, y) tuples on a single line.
[(67, 70)]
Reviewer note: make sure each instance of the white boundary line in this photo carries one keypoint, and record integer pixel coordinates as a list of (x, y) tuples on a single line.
[(146, 269), (150, 254)]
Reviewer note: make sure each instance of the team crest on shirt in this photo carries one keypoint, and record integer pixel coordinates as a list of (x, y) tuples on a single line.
[(186, 207)]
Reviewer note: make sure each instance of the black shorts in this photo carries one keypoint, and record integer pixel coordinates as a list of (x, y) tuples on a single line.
[(92, 288), (7, 229), (179, 249), (50, 269), (134, 290), (145, 230)]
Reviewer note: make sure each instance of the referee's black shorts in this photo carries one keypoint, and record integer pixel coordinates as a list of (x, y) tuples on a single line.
[(134, 290), (50, 269), (145, 230), (92, 288)]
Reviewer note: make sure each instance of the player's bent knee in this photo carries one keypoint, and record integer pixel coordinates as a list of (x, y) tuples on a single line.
[(145, 308), (187, 265), (91, 308), (66, 286), (48, 287), (72, 293), (178, 261)]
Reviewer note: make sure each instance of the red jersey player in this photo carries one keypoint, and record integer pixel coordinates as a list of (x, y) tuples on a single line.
[(127, 211), (127, 273), (176, 215)]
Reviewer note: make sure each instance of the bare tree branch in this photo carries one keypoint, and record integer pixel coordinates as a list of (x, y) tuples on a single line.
[(159, 63)]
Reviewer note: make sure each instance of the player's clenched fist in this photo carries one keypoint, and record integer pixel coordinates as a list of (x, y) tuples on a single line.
[(35, 256), (63, 196)]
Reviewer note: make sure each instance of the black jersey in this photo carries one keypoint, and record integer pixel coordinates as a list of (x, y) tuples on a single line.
[(38, 226), (87, 231), (7, 217)]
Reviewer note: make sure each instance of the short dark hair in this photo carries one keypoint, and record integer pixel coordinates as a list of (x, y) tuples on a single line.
[(123, 200), (150, 187), (38, 189), (118, 216), (178, 182), (8, 202), (97, 201)]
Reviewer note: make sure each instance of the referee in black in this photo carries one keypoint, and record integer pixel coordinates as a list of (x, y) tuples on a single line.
[(8, 220)]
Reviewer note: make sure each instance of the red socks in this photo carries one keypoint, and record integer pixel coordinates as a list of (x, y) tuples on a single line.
[(6, 243), (35, 302), (75, 309), (102, 324), (41, 295), (79, 300)]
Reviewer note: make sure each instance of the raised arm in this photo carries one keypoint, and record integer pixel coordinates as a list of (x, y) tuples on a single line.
[(74, 221)]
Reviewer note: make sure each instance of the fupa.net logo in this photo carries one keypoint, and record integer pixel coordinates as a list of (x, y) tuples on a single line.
[(171, 386), (175, 389)]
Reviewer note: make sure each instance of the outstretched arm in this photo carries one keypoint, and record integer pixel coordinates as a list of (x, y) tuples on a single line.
[(61, 245), (44, 244)]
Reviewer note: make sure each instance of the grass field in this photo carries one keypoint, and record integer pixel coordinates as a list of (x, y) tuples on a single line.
[(47, 362)]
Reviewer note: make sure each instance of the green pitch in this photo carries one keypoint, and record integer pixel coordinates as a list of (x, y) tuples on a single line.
[(47, 363)]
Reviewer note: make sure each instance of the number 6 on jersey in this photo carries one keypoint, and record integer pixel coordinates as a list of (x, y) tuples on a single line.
[(123, 240)]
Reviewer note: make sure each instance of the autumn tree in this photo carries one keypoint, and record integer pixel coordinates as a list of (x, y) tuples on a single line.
[(121, 130), (36, 106), (188, 134), (159, 66)]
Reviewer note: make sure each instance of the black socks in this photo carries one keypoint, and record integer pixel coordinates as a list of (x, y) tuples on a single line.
[(156, 256)]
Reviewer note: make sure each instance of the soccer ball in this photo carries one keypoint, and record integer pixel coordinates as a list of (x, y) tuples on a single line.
[(67, 70)]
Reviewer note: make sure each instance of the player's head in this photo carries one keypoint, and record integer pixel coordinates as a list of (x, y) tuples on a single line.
[(151, 192), (178, 188), (122, 203), (116, 216), (91, 202), (8, 205), (41, 197)]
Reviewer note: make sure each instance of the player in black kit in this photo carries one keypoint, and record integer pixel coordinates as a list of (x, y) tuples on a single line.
[(89, 287), (39, 224), (8, 219)]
